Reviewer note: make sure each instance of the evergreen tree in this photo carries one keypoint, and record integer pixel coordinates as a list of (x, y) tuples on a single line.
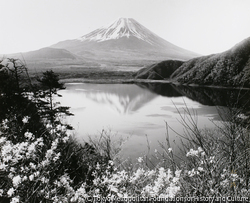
[(50, 85)]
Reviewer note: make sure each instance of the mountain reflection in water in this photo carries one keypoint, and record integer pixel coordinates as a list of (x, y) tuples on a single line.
[(121, 98), (136, 110)]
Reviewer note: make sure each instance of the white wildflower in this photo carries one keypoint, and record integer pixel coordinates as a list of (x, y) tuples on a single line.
[(200, 169), (98, 166), (178, 173), (81, 191), (2, 140), (113, 188), (211, 159), (1, 192), (31, 148), (111, 163), (148, 190), (29, 135), (97, 191), (56, 157), (49, 126), (16, 180), (65, 139), (4, 124), (172, 190), (14, 200), (234, 176), (12, 169), (49, 153), (26, 119), (151, 173), (52, 131), (57, 183), (192, 153), (10, 192), (137, 175), (54, 144), (200, 149), (10, 175), (192, 173), (170, 150), (24, 178), (96, 181), (39, 141), (6, 149), (7, 158), (32, 165), (64, 180), (44, 180), (37, 173), (31, 177), (3, 166), (45, 163), (140, 159), (59, 127)]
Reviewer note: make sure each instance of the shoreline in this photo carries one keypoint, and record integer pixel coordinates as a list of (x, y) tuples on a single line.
[(134, 81)]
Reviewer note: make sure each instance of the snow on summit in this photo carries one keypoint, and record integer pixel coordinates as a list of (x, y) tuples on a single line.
[(124, 39), (123, 27)]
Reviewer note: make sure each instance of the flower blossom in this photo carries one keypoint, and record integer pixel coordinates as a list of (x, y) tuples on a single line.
[(16, 180), (140, 159), (26, 119), (10, 192), (29, 135), (14, 200), (192, 153), (1, 192)]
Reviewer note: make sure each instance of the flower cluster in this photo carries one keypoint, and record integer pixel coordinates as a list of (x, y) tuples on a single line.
[(29, 165), (36, 164), (142, 182)]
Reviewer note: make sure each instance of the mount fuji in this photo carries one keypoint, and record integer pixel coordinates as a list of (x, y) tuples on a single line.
[(124, 39), (122, 44)]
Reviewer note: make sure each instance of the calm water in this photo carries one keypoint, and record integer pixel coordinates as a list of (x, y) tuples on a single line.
[(135, 112)]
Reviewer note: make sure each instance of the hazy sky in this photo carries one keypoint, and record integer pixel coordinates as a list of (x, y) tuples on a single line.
[(202, 26)]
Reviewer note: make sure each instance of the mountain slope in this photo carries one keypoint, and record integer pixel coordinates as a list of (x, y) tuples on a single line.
[(45, 53), (159, 71), (230, 68), (125, 38)]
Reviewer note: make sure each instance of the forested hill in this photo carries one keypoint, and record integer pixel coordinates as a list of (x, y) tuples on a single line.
[(229, 68)]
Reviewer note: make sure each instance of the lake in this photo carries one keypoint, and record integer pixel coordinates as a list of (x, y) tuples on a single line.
[(139, 112)]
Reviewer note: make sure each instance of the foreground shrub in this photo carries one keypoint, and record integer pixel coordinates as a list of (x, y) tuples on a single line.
[(142, 183), (216, 162), (41, 162), (33, 172)]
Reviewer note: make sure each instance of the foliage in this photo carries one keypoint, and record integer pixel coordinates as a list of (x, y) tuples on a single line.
[(49, 83), (14, 77), (230, 68), (215, 163), (41, 162)]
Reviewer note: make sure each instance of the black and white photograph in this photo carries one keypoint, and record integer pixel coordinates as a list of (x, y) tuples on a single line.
[(124, 101)]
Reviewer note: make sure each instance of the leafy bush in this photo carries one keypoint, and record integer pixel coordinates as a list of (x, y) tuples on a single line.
[(41, 162)]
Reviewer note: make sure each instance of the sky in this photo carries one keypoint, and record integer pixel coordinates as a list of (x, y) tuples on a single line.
[(201, 26)]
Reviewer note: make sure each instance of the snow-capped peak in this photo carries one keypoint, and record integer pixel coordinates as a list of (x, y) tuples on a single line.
[(123, 27)]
